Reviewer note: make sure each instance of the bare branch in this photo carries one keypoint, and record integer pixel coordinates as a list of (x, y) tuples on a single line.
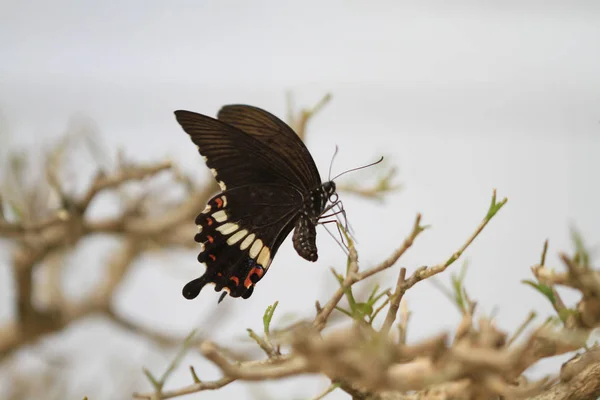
[(396, 298), (102, 182), (299, 123), (351, 278)]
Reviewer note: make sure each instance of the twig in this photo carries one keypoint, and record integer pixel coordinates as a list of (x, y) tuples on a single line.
[(330, 389), (272, 368), (522, 327), (403, 325), (390, 261), (102, 182), (351, 278), (544, 251), (262, 343), (394, 303), (376, 191), (8, 229), (298, 124), (196, 387), (381, 307), (427, 272)]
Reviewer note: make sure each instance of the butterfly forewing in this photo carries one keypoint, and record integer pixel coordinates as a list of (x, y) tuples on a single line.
[(234, 157), (278, 136)]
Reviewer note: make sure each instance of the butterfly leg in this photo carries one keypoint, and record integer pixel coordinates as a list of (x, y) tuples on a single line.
[(340, 205), (341, 242)]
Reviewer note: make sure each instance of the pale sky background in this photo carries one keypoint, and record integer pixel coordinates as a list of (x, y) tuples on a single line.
[(462, 97)]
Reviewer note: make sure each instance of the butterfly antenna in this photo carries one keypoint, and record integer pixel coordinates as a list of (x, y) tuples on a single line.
[(357, 168), (331, 162)]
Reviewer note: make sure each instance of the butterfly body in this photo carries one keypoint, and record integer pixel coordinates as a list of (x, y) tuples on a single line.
[(270, 186)]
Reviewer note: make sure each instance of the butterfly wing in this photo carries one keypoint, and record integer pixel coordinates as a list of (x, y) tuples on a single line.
[(278, 136), (235, 157), (264, 171), (240, 230)]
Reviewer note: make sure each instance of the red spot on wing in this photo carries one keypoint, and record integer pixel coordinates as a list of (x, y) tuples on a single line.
[(235, 280), (209, 221), (210, 238), (212, 257), (219, 202)]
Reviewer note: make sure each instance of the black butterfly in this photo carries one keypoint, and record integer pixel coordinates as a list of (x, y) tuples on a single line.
[(270, 186)]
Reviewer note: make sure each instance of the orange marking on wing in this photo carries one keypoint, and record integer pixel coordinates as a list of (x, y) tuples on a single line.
[(235, 280), (219, 202), (212, 257), (210, 238), (256, 270), (219, 274), (209, 221)]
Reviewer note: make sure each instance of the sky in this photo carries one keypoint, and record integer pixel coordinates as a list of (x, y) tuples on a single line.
[(462, 98)]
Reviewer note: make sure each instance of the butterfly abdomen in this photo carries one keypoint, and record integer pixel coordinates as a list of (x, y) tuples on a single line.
[(304, 239)]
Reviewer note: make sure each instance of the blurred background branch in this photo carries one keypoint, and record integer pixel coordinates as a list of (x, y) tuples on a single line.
[(44, 220)]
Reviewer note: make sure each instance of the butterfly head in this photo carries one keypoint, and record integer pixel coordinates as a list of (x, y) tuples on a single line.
[(329, 190)]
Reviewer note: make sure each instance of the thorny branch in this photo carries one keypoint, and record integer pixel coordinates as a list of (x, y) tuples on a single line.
[(367, 363), (481, 361)]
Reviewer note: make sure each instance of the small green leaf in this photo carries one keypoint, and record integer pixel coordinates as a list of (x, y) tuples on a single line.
[(373, 293), (544, 251), (194, 375), (495, 207), (375, 299), (178, 357), (347, 290), (542, 288), (268, 316), (582, 255), (343, 311), (458, 286), (155, 383), (363, 309)]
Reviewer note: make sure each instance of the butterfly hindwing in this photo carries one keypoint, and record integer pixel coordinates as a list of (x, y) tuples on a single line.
[(240, 231)]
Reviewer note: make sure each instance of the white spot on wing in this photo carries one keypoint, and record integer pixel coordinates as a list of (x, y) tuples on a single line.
[(228, 228), (222, 185), (224, 198), (206, 209), (264, 258), (202, 247), (256, 247), (220, 216), (247, 242), (236, 237), (199, 228), (213, 172)]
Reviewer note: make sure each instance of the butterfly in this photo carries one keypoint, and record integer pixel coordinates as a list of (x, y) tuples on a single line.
[(270, 186)]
